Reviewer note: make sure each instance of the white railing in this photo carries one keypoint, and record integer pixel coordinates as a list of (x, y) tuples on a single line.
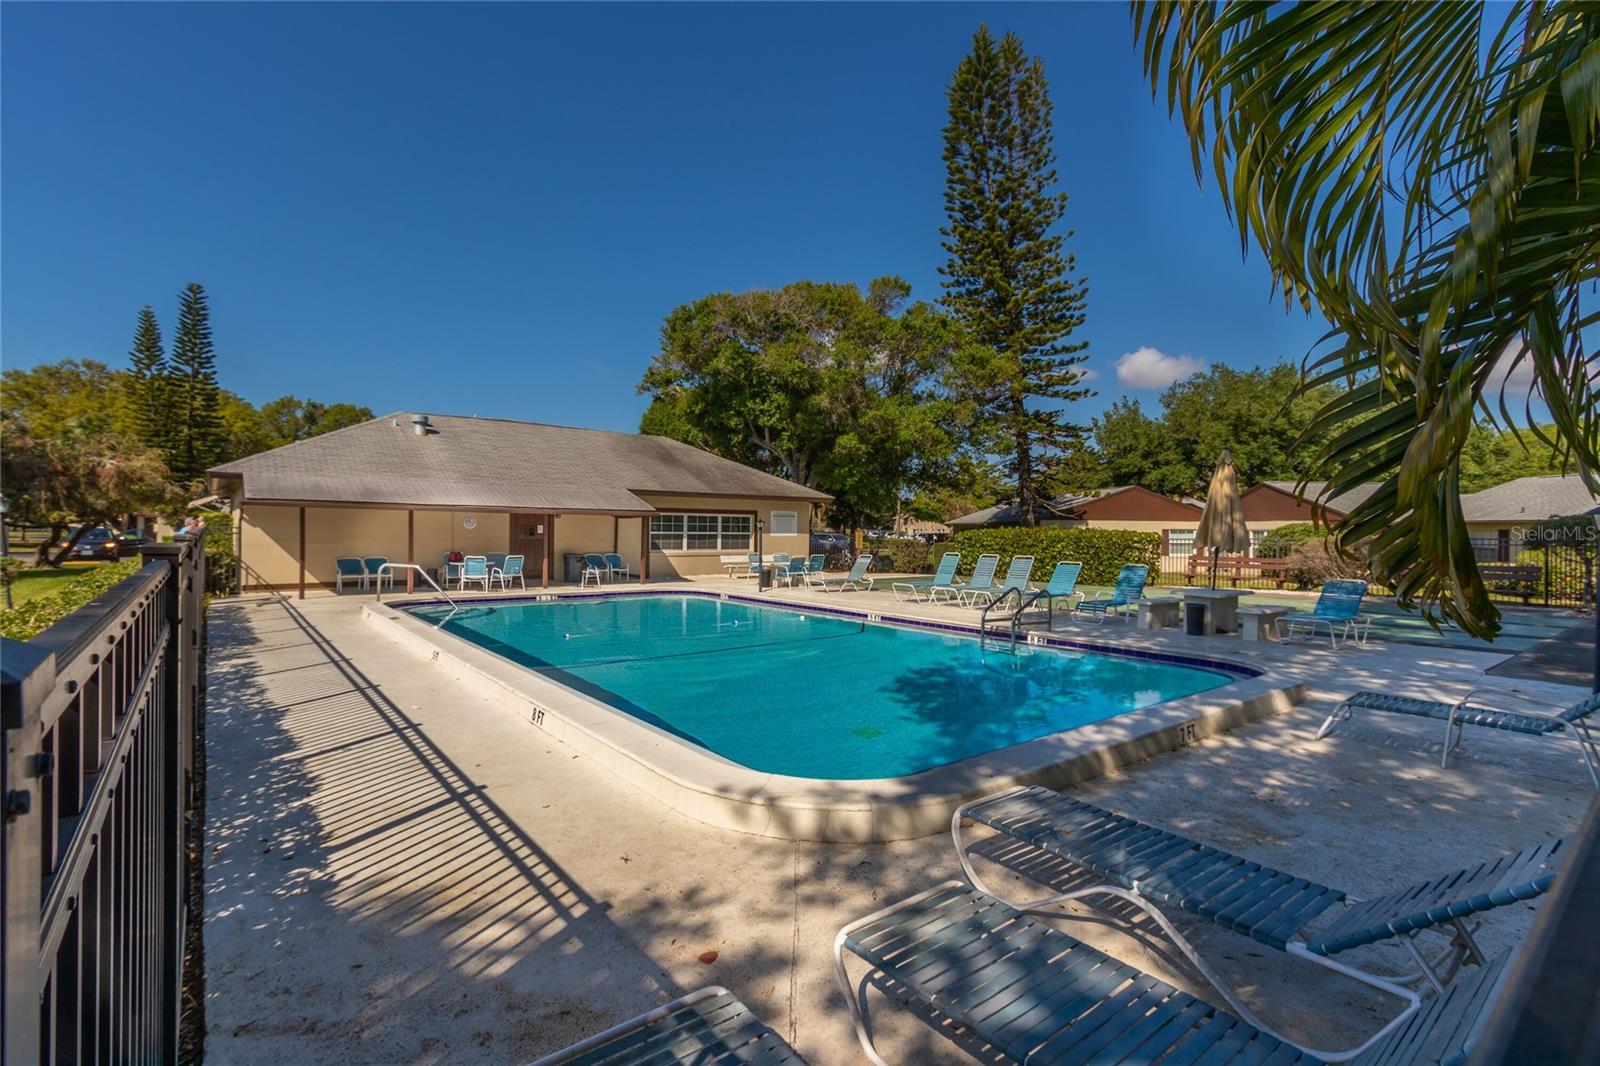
[(388, 569)]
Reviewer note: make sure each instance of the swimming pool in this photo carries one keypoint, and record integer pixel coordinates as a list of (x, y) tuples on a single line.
[(812, 695)]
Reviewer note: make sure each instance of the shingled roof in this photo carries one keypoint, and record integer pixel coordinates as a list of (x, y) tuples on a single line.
[(1528, 499), (1343, 503), (489, 464)]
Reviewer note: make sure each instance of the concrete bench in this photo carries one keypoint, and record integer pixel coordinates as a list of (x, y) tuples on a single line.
[(1159, 612), (1261, 622)]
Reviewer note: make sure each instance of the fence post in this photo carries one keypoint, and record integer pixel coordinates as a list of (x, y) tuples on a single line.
[(27, 676), (1545, 569)]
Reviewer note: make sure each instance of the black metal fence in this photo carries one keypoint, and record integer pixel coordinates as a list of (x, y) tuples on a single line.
[(97, 717), (1540, 575)]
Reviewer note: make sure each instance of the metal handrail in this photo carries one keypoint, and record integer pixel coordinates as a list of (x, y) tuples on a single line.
[(392, 567), (1005, 594)]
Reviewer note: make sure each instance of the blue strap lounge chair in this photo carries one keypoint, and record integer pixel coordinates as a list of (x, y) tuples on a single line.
[(616, 567), (1338, 610), (856, 579), (1503, 709), (982, 579), (373, 565), (348, 569), (1018, 573), (475, 568), (510, 571), (1154, 869), (752, 566), (704, 1027), (1063, 585), (943, 577), (1124, 598), (1037, 995)]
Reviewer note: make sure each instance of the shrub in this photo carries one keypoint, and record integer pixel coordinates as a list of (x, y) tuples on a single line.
[(898, 555), (1282, 542), (1101, 551), (1314, 561), (28, 620), (222, 562)]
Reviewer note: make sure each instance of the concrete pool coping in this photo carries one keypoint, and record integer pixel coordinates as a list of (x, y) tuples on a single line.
[(718, 792)]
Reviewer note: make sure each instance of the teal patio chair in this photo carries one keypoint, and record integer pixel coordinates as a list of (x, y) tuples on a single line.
[(373, 566), (348, 569), (1124, 598), (943, 578), (1338, 609), (475, 568), (791, 572), (982, 578), (856, 579), (511, 568), (752, 566), (594, 567), (1018, 572), (615, 567), (1503, 709)]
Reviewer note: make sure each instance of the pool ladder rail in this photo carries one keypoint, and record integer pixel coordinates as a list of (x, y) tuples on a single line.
[(1025, 598), (388, 569)]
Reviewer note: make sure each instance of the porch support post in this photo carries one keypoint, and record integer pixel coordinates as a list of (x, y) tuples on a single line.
[(644, 547), (549, 548), (302, 553), (411, 548)]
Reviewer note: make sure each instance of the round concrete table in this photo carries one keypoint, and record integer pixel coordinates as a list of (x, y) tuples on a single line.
[(1222, 608)]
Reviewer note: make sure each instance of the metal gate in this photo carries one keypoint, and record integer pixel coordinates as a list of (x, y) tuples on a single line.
[(97, 719)]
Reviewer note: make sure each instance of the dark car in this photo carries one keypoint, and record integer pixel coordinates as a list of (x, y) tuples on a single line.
[(129, 543), (98, 543), (826, 542)]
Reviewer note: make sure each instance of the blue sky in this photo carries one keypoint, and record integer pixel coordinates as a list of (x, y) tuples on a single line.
[(490, 209)]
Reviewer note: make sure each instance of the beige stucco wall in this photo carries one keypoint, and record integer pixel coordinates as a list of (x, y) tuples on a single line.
[(270, 538), (439, 532), (700, 563)]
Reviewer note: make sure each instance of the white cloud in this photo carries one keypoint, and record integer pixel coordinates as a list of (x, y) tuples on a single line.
[(1151, 368), (1516, 381)]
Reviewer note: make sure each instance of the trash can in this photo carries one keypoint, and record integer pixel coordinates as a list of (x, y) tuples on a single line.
[(571, 568), (764, 579), (1194, 619)]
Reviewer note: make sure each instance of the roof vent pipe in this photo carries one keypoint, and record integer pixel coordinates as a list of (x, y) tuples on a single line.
[(419, 425)]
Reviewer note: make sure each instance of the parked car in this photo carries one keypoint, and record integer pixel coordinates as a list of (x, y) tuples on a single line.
[(129, 543), (827, 542), (98, 543)]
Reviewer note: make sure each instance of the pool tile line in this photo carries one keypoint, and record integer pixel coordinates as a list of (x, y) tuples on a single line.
[(1035, 640)]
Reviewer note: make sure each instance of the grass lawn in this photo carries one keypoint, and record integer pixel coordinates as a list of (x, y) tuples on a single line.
[(31, 584)]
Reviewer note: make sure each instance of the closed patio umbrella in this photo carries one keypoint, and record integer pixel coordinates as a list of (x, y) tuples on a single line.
[(1222, 527)]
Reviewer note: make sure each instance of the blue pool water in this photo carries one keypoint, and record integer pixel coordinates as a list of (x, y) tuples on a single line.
[(809, 695)]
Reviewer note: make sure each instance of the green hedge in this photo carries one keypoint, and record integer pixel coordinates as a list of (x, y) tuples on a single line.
[(899, 555), (1101, 551), (28, 620)]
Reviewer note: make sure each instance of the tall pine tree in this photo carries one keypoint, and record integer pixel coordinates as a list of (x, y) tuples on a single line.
[(1007, 278), (194, 401), (149, 364)]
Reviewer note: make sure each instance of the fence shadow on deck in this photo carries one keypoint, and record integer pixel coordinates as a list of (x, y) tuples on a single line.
[(363, 892)]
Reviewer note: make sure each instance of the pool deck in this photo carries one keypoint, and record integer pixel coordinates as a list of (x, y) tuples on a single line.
[(400, 870)]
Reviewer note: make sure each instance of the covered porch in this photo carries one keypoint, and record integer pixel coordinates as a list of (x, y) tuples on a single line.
[(294, 546)]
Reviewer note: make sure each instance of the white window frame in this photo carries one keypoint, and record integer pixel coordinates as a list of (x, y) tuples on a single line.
[(713, 532), (1172, 537)]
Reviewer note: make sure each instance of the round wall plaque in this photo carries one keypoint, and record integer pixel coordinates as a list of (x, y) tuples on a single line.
[(469, 522)]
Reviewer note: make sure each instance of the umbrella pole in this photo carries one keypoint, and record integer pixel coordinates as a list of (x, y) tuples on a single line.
[(1215, 552)]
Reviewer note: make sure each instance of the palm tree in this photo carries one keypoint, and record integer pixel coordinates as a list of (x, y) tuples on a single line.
[(1429, 182)]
